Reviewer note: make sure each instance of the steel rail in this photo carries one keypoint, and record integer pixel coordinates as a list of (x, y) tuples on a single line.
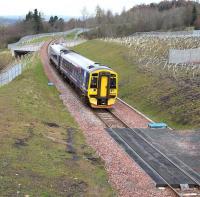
[(152, 146), (137, 111), (156, 150), (146, 163)]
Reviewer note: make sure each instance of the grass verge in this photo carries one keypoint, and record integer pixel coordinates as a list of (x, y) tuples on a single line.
[(34, 127), (70, 36), (160, 97), (41, 39)]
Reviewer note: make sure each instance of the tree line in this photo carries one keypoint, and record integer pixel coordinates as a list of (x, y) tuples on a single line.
[(33, 23), (163, 16)]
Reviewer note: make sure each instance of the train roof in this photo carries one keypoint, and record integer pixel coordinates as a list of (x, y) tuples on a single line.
[(57, 48), (77, 59)]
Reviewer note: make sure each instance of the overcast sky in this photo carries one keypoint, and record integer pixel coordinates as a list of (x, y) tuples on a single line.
[(64, 7)]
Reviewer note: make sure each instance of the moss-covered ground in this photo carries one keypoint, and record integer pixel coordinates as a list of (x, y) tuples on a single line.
[(34, 129)]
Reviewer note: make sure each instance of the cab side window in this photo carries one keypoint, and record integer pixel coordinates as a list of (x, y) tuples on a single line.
[(93, 82), (112, 82)]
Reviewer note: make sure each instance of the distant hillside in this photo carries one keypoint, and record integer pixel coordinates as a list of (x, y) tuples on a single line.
[(10, 20), (7, 21)]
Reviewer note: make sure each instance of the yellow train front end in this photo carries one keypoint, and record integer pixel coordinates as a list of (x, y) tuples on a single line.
[(103, 88)]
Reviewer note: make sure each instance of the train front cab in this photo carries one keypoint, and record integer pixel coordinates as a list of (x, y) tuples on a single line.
[(103, 88)]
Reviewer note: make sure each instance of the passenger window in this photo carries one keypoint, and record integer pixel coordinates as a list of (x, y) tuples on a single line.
[(93, 82), (112, 82)]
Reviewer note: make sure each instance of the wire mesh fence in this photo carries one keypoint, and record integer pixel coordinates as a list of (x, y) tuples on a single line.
[(186, 56), (10, 74), (13, 70), (28, 39), (17, 68), (174, 53), (194, 33)]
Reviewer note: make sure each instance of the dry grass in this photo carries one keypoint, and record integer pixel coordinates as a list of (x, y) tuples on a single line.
[(5, 59), (151, 53)]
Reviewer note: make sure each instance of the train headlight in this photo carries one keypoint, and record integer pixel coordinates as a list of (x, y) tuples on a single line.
[(112, 91)]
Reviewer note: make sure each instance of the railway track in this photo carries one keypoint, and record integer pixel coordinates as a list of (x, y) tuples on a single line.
[(139, 148), (112, 120), (109, 119)]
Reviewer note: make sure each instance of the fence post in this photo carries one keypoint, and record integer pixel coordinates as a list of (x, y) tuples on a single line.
[(0, 80)]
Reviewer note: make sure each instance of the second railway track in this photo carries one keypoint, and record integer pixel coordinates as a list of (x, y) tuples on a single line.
[(154, 161)]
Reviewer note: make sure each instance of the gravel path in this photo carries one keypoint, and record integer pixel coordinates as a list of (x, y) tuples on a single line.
[(124, 174)]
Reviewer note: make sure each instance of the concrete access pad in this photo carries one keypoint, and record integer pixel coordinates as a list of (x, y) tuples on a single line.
[(163, 153), (179, 145)]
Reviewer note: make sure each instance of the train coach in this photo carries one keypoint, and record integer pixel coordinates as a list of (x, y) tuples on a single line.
[(96, 82)]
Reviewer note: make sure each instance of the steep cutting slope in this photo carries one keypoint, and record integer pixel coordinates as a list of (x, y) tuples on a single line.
[(158, 96)]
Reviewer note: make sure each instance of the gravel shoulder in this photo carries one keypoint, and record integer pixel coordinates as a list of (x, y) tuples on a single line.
[(129, 116)]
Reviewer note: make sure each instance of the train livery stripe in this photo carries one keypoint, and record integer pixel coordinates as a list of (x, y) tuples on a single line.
[(104, 86)]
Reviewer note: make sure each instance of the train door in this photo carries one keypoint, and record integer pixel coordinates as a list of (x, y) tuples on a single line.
[(104, 79), (104, 86)]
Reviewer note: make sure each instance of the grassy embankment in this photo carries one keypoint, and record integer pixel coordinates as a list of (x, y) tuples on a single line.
[(38, 40), (32, 117), (69, 36), (158, 96)]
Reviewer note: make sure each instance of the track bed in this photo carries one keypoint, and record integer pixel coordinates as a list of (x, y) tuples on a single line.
[(156, 164)]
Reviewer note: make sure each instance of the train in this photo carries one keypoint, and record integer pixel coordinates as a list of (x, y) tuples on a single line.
[(97, 83)]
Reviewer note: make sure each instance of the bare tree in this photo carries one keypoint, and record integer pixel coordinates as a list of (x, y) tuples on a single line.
[(85, 15), (99, 15)]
